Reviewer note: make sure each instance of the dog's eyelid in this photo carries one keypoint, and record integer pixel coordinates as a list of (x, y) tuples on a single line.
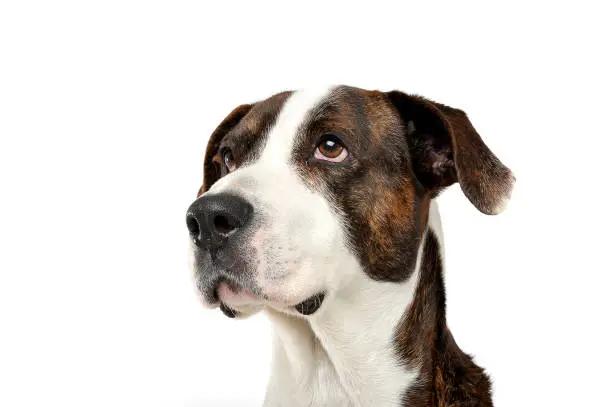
[(334, 135)]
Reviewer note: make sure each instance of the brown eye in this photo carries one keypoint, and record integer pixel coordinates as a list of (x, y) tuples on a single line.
[(330, 149), (228, 160)]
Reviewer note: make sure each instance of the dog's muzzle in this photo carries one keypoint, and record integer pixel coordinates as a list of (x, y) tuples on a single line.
[(215, 223), (218, 228)]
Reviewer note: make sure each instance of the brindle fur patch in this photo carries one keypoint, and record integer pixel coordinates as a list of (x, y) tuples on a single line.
[(374, 190), (447, 376)]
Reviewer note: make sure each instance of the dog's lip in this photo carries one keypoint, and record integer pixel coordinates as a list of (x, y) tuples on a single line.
[(226, 288), (311, 304), (231, 297), (227, 311)]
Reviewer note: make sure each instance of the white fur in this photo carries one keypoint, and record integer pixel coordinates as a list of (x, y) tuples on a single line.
[(507, 194), (435, 225), (282, 136)]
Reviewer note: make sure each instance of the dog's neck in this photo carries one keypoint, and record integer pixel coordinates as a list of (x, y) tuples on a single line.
[(351, 353)]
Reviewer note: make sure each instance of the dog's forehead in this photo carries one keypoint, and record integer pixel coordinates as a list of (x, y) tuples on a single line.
[(369, 112), (264, 113), (297, 111), (276, 124)]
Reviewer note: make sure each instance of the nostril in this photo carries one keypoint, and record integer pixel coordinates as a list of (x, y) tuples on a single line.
[(224, 225), (193, 226), (212, 219)]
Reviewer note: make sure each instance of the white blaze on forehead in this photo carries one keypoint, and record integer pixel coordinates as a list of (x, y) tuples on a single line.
[(295, 111), (280, 140)]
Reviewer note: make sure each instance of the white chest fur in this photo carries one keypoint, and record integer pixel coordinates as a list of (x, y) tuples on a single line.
[(344, 355)]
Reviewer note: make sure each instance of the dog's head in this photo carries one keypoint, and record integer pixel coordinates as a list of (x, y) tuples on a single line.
[(306, 189)]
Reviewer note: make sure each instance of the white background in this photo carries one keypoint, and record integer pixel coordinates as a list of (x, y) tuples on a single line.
[(105, 110)]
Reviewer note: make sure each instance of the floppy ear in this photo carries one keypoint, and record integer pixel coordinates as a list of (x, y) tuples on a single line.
[(445, 148), (212, 168)]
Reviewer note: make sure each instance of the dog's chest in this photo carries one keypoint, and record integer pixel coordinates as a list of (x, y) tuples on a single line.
[(336, 364)]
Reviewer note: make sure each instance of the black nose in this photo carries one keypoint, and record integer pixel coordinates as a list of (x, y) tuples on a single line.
[(212, 219)]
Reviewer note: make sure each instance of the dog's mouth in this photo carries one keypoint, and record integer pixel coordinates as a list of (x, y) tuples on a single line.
[(311, 305), (227, 311), (227, 299), (231, 296), (239, 295)]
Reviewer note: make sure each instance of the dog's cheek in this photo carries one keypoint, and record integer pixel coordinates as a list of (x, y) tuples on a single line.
[(383, 225), (291, 270)]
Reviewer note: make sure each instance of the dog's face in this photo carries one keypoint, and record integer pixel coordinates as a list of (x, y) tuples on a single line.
[(307, 190)]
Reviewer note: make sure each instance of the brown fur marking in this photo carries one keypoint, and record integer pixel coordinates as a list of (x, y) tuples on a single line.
[(447, 376)]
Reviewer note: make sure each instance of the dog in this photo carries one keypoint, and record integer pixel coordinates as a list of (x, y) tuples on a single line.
[(319, 207)]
